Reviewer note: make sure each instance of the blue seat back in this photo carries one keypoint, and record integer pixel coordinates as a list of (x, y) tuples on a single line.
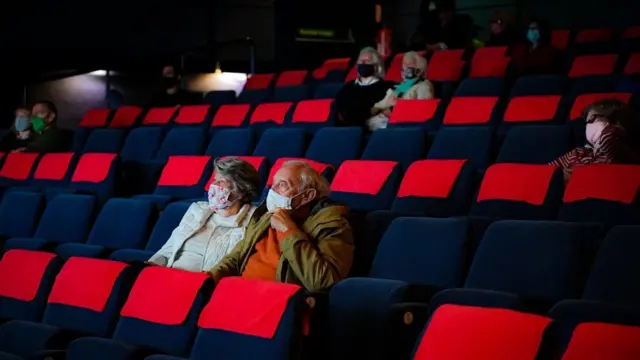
[(228, 142), (104, 141), (523, 144), (123, 224), (402, 145), (279, 143), (67, 218), (335, 145), (19, 213), (472, 143), (141, 144), (182, 141)]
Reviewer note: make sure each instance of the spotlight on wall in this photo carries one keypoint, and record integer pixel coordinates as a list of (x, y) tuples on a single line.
[(98, 73)]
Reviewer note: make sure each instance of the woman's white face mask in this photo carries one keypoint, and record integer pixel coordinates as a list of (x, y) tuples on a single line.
[(219, 198)]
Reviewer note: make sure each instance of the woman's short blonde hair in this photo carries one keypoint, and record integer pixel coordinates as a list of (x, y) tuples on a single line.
[(421, 62), (377, 60)]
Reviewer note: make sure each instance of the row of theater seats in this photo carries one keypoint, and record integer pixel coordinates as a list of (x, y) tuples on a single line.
[(492, 289)]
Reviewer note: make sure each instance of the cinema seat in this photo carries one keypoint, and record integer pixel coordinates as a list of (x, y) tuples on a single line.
[(591, 341), (366, 185), (92, 119), (96, 174), (84, 301), (104, 141), (489, 61), (334, 145), (26, 278), (230, 116), (528, 110), (160, 116), (125, 117), (279, 143), (231, 142), (416, 113), (463, 143), (269, 115), (313, 115), (522, 144), (17, 169), (19, 214), (193, 115), (150, 323), (54, 170), (470, 111)]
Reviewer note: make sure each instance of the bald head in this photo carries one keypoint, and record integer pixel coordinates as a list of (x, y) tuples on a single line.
[(299, 181)]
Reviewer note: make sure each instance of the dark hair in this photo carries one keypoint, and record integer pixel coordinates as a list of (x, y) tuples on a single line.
[(50, 106), (176, 69), (613, 111), (544, 27)]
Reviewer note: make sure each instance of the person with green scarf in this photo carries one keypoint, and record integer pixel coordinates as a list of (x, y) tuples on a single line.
[(46, 136), (414, 86)]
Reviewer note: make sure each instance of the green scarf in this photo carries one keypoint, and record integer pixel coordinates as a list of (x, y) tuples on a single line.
[(405, 85)]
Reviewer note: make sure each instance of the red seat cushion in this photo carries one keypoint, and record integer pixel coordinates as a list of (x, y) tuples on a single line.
[(362, 176), (93, 167), (17, 166), (592, 35), (413, 111), (183, 170), (430, 178), (159, 116), (532, 108), (516, 182), (21, 272), (291, 78), (611, 182), (470, 110), (95, 118), (192, 114), (125, 116), (275, 112), (53, 166), (560, 39), (86, 283), (585, 100), (330, 65), (258, 81), (179, 288), (312, 111), (489, 62), (463, 332), (231, 115), (584, 65), (597, 341), (632, 32), (317, 166), (233, 306), (445, 65), (633, 64)]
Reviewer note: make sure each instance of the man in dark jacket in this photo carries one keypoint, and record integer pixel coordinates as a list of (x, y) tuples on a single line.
[(46, 136)]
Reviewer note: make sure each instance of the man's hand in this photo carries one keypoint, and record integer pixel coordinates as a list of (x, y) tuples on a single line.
[(150, 263), (22, 149), (281, 221)]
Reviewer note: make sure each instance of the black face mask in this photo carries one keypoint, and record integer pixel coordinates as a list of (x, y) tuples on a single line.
[(365, 70), (169, 81)]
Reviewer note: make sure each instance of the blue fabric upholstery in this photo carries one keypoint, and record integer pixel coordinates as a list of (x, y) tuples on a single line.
[(592, 84), (409, 145), (422, 251), (122, 224), (31, 311), (610, 213), (182, 141), (285, 344), (536, 260), (538, 85), (104, 141), (292, 93), (476, 297), (456, 204), (103, 190), (24, 338), (168, 221), (366, 202), (220, 97), (358, 313), (227, 142), (141, 144), (472, 143), (163, 357), (102, 349), (163, 195), (7, 356), (327, 91), (524, 144), (44, 185), (335, 145), (614, 273), (278, 143), (19, 213), (256, 96), (486, 86)]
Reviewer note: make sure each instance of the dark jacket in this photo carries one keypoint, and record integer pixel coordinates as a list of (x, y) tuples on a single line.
[(50, 140), (354, 102)]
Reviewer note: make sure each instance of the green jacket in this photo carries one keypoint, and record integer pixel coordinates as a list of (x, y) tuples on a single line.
[(315, 258)]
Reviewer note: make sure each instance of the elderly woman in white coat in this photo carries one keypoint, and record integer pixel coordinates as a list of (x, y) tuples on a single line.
[(210, 230)]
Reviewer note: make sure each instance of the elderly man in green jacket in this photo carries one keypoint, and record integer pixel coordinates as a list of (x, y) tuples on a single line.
[(297, 236)]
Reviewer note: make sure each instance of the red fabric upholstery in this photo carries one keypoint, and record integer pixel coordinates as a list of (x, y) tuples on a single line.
[(602, 64), (95, 118), (291, 78), (470, 110), (53, 166), (159, 116), (93, 167), (183, 170), (560, 39), (192, 114), (258, 81), (445, 65), (312, 111), (231, 115), (394, 73), (597, 341), (430, 178), (179, 290), (585, 100), (86, 283), (413, 111), (317, 166), (489, 61), (256, 161), (516, 182), (532, 108), (275, 112), (362, 176), (17, 166), (125, 117), (612, 182), (465, 332), (592, 35), (233, 306), (633, 64), (632, 32), (329, 65), (21, 272)]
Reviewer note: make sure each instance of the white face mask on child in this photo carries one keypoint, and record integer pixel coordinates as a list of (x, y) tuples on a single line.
[(594, 131)]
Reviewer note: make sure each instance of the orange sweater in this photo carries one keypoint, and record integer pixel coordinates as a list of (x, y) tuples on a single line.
[(263, 264)]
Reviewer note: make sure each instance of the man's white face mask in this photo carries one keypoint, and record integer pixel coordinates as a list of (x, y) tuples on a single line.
[(276, 201)]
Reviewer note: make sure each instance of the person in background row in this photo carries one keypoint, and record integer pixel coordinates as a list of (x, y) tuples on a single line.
[(611, 134), (20, 132), (46, 136), (299, 236), (210, 230), (451, 31), (502, 31), (537, 56), (171, 94), (414, 86), (355, 100)]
